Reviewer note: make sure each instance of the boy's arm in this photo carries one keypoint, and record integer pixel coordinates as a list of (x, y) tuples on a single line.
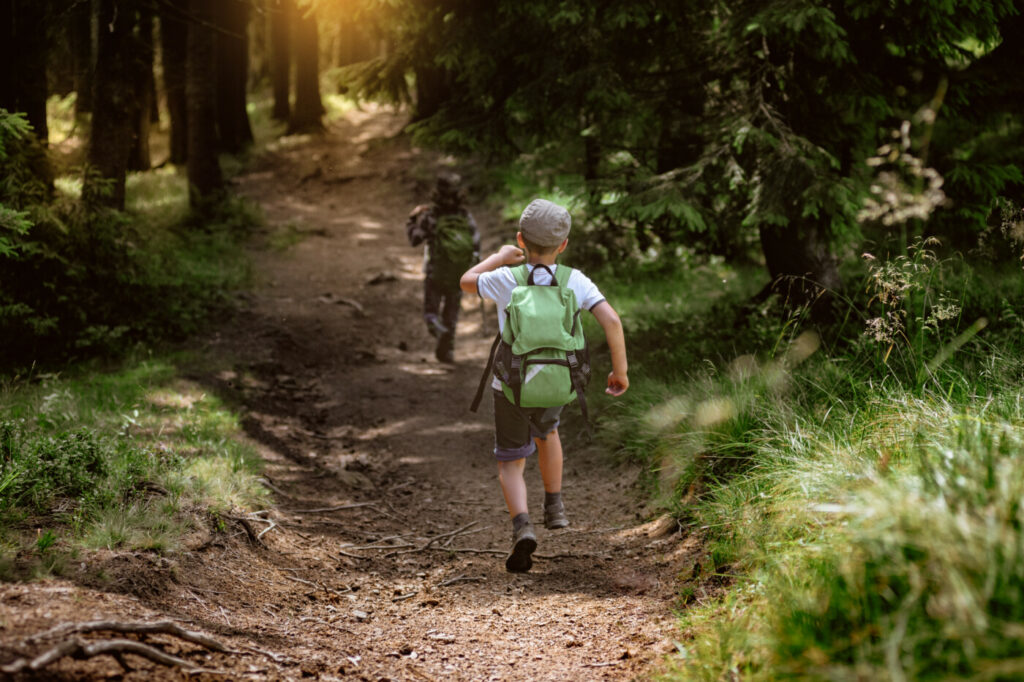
[(609, 320), (476, 234), (416, 228), (507, 255)]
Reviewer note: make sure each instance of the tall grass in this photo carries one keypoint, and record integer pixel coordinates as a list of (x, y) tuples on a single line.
[(861, 503)]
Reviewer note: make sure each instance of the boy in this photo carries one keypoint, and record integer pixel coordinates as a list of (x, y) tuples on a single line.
[(543, 235), (441, 294)]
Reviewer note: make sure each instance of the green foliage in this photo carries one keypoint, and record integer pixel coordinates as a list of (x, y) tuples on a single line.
[(696, 124)]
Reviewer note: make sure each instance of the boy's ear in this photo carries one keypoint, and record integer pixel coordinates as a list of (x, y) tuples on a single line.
[(565, 243), (519, 240)]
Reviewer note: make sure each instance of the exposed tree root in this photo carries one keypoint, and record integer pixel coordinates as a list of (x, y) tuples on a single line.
[(78, 648)]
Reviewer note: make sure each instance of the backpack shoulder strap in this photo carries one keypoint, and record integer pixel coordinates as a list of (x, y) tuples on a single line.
[(562, 275), (484, 380), (521, 273)]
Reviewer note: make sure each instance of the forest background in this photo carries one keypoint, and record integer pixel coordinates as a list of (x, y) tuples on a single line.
[(809, 213)]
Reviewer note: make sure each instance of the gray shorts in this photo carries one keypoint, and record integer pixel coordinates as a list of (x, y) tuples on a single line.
[(516, 427)]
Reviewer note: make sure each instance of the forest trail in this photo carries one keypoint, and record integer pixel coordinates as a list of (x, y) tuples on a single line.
[(401, 574)]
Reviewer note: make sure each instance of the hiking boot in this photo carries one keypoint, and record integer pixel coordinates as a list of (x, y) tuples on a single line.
[(524, 541), (444, 351), (435, 326), (554, 516)]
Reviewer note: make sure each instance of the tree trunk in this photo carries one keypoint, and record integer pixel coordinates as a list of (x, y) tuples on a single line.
[(144, 89), (353, 45), (23, 86), (259, 47), (801, 265), (232, 58), (173, 36), (205, 182), (306, 116), (81, 34), (280, 14), (8, 91), (113, 111), (432, 90)]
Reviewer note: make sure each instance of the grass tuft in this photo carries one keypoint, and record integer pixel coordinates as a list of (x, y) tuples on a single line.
[(121, 460)]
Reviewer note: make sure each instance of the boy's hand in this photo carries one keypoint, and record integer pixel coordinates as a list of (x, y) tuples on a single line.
[(511, 255), (617, 384)]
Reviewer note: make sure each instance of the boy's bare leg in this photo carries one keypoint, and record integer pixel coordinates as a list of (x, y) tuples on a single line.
[(513, 486), (549, 458), (524, 541)]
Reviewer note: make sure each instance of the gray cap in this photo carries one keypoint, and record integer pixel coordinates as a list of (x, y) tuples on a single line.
[(545, 223)]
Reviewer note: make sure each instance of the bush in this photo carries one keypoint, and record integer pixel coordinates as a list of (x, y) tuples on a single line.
[(44, 469)]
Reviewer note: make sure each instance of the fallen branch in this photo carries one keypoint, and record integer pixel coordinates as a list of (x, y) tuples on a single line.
[(606, 664), (339, 507)]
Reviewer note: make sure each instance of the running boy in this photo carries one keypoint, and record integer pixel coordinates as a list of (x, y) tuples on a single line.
[(543, 235)]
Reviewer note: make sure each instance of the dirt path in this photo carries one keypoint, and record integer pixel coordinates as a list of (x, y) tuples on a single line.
[(405, 580)]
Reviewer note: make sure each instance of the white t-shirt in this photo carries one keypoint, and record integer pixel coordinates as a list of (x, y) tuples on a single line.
[(497, 285)]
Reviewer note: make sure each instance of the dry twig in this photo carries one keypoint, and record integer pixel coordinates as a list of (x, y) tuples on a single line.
[(300, 580), (430, 541), (268, 484), (462, 579), (339, 507), (403, 597)]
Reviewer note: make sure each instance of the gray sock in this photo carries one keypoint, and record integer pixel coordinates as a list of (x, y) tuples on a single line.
[(552, 500), (520, 520)]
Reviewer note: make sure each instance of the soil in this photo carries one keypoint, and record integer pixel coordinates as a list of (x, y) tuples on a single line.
[(400, 575)]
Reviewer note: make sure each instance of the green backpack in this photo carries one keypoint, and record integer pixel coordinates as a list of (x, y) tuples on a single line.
[(452, 251), (541, 357)]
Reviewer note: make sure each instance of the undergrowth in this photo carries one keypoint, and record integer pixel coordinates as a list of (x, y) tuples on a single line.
[(859, 496), (123, 459), (77, 283)]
